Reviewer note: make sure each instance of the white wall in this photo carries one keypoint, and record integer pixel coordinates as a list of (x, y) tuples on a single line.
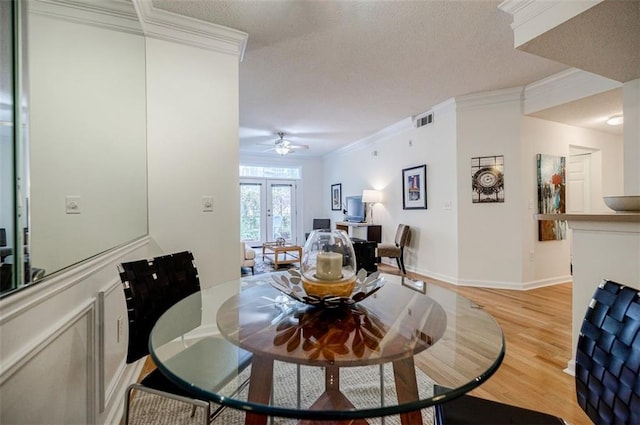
[(631, 106), (378, 164), (552, 258), (494, 244), (491, 251), (193, 152)]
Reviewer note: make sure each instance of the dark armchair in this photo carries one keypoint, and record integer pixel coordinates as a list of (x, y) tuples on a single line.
[(319, 224)]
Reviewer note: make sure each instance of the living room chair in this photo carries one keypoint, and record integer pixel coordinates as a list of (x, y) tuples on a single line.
[(607, 371), (247, 257), (150, 288), (396, 249)]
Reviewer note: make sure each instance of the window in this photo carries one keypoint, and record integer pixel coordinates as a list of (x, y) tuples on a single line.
[(270, 172)]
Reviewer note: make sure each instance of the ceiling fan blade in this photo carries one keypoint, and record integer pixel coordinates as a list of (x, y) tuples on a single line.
[(298, 147)]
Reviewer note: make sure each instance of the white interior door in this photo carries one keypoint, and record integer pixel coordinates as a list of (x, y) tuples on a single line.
[(267, 210), (578, 184)]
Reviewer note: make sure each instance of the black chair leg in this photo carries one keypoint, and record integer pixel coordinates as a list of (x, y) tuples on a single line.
[(401, 265)]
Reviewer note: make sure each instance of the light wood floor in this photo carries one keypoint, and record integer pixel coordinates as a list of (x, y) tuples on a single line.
[(537, 329)]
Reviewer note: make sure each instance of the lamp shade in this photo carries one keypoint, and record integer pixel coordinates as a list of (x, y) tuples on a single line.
[(371, 196), (615, 120)]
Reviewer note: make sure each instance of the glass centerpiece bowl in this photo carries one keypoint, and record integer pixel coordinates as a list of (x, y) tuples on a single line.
[(328, 264)]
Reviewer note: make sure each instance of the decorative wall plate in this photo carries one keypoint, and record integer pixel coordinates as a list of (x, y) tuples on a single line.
[(290, 284)]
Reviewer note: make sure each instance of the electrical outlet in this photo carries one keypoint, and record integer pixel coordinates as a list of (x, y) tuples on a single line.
[(532, 256), (447, 205)]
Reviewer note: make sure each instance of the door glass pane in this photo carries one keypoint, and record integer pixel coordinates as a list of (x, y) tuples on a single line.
[(281, 207), (250, 209)]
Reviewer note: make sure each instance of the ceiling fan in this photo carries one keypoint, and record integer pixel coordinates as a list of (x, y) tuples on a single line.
[(283, 146)]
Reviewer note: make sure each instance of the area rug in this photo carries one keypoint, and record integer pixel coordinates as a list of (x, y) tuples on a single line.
[(151, 409), (264, 266)]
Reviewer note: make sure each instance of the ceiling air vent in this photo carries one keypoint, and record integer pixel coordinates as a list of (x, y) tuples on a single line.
[(424, 120)]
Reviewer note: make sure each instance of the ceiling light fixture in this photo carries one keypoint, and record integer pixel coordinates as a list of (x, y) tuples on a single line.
[(615, 120), (282, 146), (282, 150)]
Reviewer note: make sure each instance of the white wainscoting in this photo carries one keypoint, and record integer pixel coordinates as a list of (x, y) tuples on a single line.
[(62, 356), (54, 381)]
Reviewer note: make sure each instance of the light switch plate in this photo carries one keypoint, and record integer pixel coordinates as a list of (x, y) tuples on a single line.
[(207, 204), (72, 204)]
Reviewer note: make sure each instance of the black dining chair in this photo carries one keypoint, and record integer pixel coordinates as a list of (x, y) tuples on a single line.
[(151, 287), (607, 371)]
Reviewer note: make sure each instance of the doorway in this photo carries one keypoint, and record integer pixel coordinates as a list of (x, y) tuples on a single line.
[(267, 210)]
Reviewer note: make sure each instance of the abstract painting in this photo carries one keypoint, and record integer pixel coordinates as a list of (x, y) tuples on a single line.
[(487, 179), (551, 196)]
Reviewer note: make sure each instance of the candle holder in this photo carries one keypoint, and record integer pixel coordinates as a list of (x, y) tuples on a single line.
[(328, 264)]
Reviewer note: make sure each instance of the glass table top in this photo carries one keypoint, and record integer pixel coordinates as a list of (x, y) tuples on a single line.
[(381, 356)]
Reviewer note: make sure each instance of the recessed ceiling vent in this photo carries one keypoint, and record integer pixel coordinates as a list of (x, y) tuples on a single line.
[(422, 120)]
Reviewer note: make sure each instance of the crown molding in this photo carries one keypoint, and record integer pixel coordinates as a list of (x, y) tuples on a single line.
[(532, 18), (564, 87), (448, 106), (116, 15), (398, 127), (169, 26), (489, 98)]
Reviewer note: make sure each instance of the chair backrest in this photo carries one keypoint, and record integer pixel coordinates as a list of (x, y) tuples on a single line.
[(608, 356), (150, 288), (402, 235), (321, 223)]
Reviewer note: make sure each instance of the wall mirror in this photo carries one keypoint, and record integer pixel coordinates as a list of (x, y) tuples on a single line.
[(87, 132)]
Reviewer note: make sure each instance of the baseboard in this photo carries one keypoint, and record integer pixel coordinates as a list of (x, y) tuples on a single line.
[(521, 286)]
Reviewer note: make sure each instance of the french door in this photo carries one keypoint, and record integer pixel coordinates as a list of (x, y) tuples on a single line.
[(267, 210)]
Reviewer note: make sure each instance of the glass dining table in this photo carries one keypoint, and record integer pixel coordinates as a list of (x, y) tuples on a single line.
[(381, 356)]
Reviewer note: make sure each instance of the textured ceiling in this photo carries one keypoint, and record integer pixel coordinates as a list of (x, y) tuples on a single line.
[(604, 40), (329, 73)]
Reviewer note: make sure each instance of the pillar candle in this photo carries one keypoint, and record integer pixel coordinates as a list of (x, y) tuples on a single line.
[(329, 266)]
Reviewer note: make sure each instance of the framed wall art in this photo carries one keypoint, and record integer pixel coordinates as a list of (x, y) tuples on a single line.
[(487, 179), (336, 197), (551, 196), (414, 188)]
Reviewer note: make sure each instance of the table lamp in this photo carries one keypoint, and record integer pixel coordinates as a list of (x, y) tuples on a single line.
[(370, 197)]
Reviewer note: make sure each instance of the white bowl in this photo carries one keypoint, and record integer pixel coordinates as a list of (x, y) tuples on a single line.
[(628, 203)]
